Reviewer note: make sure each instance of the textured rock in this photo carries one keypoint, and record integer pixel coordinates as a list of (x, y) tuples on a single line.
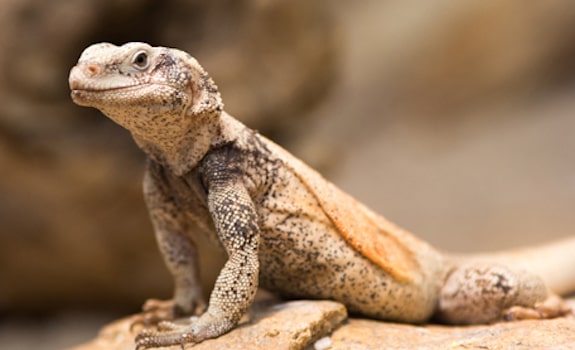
[(307, 325), (290, 325), (372, 335)]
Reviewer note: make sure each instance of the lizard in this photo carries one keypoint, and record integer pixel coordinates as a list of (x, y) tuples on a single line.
[(283, 226)]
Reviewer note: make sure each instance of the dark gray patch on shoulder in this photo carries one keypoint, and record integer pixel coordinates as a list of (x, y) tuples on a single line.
[(221, 164)]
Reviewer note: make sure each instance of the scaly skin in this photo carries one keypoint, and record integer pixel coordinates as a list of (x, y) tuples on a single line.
[(282, 225)]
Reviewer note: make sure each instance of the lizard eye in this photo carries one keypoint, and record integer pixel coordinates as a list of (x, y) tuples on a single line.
[(140, 60)]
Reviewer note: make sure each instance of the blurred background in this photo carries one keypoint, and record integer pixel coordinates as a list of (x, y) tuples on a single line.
[(454, 119)]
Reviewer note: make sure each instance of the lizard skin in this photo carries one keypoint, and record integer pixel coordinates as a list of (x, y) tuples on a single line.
[(283, 226)]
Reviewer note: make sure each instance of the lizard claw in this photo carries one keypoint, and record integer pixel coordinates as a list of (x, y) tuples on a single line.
[(154, 312), (170, 334), (166, 326), (148, 338), (159, 313)]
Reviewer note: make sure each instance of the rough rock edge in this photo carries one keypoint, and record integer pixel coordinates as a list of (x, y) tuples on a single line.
[(290, 325), (361, 334), (298, 324)]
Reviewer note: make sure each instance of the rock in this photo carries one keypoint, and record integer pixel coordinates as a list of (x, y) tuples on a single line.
[(289, 325), (359, 334), (311, 325)]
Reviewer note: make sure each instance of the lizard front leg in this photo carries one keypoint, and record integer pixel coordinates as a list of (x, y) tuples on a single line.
[(235, 220), (178, 250)]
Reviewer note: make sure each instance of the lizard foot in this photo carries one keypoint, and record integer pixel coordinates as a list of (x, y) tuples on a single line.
[(176, 335), (170, 334), (156, 312), (552, 307), (153, 312)]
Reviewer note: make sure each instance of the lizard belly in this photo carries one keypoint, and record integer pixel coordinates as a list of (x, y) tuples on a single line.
[(304, 256)]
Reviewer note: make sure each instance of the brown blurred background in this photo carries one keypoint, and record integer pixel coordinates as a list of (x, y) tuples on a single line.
[(454, 119)]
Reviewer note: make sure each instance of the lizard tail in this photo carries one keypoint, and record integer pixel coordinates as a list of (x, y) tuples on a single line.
[(554, 262)]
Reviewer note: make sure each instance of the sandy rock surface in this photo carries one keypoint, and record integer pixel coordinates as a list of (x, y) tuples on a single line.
[(291, 325), (372, 335), (322, 325)]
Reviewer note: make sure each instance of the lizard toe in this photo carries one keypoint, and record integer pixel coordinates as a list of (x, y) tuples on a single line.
[(147, 339)]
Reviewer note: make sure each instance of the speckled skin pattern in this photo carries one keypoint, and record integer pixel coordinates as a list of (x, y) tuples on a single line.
[(282, 225)]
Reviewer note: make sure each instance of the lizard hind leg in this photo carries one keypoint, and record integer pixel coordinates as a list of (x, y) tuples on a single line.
[(485, 293)]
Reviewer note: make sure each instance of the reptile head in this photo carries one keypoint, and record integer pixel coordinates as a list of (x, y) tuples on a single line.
[(136, 82)]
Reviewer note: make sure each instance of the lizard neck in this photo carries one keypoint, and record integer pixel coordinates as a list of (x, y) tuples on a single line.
[(182, 149)]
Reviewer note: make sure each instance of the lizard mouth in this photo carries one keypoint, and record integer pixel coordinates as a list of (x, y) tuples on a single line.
[(76, 85), (88, 94), (86, 85), (96, 89), (82, 95)]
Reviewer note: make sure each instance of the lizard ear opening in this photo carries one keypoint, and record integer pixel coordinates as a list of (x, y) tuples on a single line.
[(206, 97)]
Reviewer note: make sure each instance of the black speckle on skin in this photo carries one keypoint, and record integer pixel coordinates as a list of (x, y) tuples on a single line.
[(207, 83), (503, 284), (164, 61)]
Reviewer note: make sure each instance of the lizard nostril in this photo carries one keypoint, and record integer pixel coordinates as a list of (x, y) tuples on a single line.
[(92, 70)]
